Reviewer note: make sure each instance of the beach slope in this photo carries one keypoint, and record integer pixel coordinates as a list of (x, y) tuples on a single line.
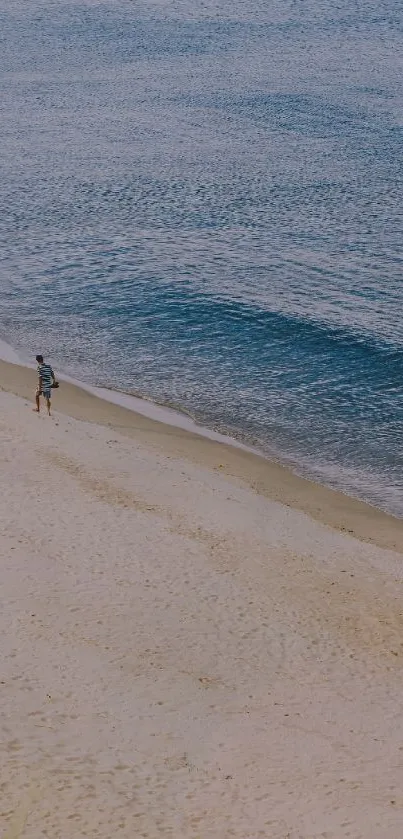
[(186, 652)]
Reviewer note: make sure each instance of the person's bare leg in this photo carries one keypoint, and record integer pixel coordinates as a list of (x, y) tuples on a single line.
[(37, 395), (48, 406)]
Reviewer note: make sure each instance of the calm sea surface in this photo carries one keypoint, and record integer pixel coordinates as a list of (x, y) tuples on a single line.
[(202, 203)]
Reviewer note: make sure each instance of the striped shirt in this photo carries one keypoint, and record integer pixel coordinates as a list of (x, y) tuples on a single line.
[(45, 374)]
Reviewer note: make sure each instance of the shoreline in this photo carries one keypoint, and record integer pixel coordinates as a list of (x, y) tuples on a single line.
[(212, 451), (138, 404), (182, 419)]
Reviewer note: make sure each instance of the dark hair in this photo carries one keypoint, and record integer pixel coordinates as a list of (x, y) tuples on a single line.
[(39, 359)]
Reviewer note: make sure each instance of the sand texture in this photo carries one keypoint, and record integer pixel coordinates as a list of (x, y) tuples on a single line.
[(181, 655)]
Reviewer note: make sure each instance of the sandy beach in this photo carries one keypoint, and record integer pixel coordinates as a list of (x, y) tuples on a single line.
[(196, 643)]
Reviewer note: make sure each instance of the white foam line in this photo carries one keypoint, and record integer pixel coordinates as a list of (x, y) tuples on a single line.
[(168, 416), (159, 413)]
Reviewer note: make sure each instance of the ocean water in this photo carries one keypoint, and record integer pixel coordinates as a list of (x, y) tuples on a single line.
[(201, 203)]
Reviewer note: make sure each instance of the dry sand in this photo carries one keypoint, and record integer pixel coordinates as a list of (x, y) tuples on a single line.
[(191, 646)]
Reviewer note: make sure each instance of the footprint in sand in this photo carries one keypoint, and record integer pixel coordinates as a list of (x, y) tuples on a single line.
[(19, 819)]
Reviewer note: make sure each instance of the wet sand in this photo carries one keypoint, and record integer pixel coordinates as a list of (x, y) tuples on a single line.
[(266, 477)]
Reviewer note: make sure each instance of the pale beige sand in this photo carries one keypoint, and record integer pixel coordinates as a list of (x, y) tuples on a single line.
[(183, 656)]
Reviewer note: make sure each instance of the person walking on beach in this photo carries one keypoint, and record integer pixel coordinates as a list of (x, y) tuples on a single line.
[(46, 380)]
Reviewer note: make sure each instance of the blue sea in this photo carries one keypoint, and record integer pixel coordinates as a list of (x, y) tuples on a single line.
[(202, 203)]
